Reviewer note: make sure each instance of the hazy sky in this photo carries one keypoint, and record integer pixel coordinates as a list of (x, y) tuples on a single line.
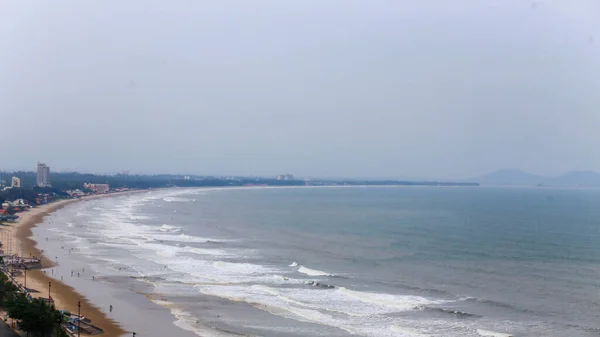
[(421, 88)]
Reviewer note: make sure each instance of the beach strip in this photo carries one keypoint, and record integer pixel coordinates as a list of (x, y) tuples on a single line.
[(64, 296)]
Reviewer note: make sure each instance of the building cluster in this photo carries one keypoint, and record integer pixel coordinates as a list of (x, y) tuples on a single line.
[(285, 177), (97, 188), (16, 206), (14, 183)]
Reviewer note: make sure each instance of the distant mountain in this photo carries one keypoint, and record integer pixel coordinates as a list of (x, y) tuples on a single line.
[(519, 177), (575, 178), (509, 177)]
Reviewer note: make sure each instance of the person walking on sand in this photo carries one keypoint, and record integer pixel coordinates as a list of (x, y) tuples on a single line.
[(111, 308)]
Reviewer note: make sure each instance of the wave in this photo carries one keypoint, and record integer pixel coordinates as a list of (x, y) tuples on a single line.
[(294, 264), (56, 230), (364, 314), (241, 268), (177, 199), (407, 331), (400, 302), (139, 217), (169, 228), (180, 238), (187, 321), (313, 272), (319, 284), (419, 289), (499, 304), (455, 313), (487, 333)]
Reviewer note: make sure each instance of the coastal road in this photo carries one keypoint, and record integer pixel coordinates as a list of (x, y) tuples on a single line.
[(5, 331)]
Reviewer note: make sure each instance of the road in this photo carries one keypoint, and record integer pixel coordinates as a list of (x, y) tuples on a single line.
[(5, 331)]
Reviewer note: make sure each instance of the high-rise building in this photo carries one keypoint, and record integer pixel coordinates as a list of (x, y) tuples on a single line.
[(43, 175)]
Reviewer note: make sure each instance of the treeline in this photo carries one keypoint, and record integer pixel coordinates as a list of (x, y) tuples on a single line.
[(398, 183), (30, 194), (35, 317), (62, 181)]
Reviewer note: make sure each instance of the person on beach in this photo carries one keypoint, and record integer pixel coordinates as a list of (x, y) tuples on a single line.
[(111, 308)]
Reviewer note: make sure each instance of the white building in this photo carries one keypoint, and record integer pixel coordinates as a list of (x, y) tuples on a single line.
[(15, 182), (43, 175), (97, 188)]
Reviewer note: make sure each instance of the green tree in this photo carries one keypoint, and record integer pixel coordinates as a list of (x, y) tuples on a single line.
[(35, 317)]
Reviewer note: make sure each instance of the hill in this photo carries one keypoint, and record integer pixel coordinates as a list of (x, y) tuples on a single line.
[(509, 177), (575, 178)]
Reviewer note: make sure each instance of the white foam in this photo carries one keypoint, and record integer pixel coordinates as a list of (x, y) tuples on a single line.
[(178, 238), (404, 331), (294, 264), (55, 230), (242, 268), (139, 217), (326, 307), (169, 228), (399, 302), (186, 321), (488, 333), (312, 272), (177, 199)]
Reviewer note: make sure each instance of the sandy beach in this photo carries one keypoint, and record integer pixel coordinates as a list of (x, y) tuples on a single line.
[(18, 241)]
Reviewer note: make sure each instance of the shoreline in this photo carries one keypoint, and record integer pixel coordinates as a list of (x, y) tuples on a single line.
[(65, 297)]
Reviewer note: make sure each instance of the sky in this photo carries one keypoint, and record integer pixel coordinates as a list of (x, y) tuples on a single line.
[(323, 88)]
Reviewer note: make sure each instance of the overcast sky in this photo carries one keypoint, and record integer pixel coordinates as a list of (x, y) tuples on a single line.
[(422, 88)]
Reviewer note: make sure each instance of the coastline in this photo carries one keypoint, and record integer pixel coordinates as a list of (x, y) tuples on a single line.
[(65, 297)]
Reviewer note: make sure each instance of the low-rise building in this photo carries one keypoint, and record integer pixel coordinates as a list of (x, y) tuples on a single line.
[(75, 193), (15, 182), (97, 188)]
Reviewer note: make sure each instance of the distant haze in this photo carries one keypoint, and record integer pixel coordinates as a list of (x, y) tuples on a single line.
[(425, 89), (518, 177)]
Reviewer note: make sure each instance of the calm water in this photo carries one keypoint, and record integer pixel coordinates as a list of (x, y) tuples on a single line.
[(350, 261)]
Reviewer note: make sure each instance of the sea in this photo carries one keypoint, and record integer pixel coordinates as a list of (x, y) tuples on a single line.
[(336, 261)]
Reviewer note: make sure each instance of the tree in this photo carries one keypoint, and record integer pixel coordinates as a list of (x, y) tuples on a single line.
[(35, 317)]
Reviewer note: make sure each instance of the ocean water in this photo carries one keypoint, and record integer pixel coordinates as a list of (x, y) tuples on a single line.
[(360, 261)]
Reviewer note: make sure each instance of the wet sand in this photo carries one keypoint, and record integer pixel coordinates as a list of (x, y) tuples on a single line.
[(65, 297)]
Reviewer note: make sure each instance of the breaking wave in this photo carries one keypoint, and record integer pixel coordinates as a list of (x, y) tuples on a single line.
[(313, 272)]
